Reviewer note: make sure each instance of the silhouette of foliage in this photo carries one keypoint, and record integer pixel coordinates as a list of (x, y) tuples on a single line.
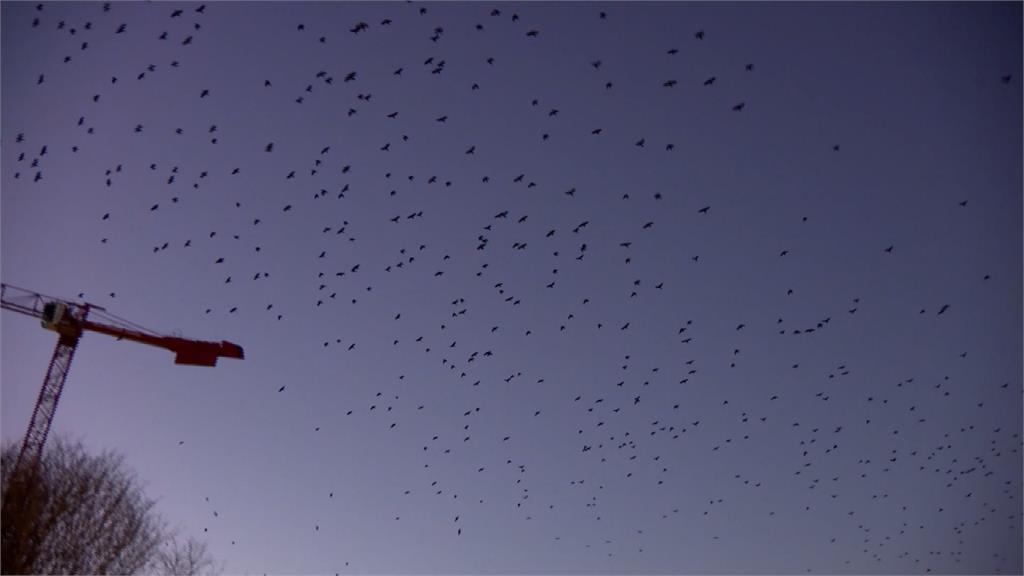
[(85, 514)]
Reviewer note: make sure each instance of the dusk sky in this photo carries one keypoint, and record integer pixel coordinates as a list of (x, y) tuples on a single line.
[(544, 288)]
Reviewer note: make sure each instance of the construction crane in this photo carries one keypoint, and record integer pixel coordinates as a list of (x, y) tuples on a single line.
[(69, 320)]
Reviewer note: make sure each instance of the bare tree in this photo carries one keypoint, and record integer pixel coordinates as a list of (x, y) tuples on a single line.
[(188, 557), (79, 514)]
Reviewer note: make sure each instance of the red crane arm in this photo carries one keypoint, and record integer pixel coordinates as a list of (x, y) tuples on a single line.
[(71, 324), (191, 352)]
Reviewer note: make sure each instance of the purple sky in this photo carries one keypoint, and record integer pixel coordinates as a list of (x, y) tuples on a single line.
[(847, 427)]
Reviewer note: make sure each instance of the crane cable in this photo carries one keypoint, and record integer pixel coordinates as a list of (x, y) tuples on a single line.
[(97, 312)]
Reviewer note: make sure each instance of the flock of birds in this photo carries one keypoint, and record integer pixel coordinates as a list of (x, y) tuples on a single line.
[(590, 263)]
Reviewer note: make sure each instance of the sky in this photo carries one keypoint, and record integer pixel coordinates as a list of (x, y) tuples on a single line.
[(535, 288)]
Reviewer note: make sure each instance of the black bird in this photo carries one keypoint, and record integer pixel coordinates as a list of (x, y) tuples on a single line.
[(699, 35), (739, 106), (943, 309), (709, 81)]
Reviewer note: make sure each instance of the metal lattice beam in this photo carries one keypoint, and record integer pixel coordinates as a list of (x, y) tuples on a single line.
[(46, 405)]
